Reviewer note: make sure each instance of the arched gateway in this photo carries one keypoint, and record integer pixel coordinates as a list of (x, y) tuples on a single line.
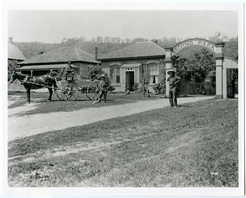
[(215, 47)]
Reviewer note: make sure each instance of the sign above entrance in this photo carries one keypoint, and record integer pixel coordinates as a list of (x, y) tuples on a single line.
[(191, 42)]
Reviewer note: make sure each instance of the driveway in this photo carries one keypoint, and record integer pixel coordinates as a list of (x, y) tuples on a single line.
[(28, 125)]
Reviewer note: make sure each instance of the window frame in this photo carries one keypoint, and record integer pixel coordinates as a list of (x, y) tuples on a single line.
[(115, 74), (154, 73)]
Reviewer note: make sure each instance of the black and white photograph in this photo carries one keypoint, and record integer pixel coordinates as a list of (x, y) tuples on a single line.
[(123, 99)]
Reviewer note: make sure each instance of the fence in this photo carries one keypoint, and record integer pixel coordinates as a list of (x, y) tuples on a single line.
[(188, 87)]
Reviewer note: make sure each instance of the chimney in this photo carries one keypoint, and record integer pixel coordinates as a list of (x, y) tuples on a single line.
[(96, 53), (154, 41), (10, 39)]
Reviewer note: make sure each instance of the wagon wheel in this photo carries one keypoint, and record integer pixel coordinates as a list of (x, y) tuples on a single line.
[(93, 90), (58, 92), (156, 91), (69, 92), (200, 91)]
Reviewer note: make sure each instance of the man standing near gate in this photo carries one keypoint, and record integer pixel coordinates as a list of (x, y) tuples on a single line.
[(173, 81)]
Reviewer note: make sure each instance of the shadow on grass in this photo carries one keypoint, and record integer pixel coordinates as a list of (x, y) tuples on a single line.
[(184, 105)]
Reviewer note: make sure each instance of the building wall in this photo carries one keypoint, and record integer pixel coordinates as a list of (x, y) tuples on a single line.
[(139, 72)]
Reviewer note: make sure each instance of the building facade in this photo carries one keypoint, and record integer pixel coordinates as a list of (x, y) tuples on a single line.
[(141, 61), (15, 56)]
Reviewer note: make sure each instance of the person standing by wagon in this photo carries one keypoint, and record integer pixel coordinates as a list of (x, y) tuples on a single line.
[(102, 88), (173, 82), (70, 72)]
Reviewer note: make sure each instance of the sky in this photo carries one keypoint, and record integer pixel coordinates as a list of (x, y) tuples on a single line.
[(52, 26)]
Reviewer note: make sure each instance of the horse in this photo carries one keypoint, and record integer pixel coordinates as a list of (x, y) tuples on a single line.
[(34, 82)]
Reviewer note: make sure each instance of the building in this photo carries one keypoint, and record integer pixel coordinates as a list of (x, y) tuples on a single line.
[(14, 57), (14, 54), (133, 64), (56, 59)]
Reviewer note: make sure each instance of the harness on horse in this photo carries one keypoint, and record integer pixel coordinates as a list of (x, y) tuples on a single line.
[(36, 81)]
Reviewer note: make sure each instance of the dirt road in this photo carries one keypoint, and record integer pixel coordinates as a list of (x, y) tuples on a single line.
[(19, 127)]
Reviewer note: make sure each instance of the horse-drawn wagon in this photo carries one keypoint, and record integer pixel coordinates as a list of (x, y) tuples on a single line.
[(70, 90), (67, 84)]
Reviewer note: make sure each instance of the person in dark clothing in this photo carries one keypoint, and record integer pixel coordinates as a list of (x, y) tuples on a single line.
[(102, 88), (173, 81), (233, 87), (70, 73)]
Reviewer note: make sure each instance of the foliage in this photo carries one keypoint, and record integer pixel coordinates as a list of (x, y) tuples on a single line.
[(231, 48), (139, 40), (12, 65), (162, 72), (160, 87), (135, 86), (197, 66)]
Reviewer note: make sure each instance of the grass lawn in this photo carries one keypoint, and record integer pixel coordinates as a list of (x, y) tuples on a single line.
[(192, 146)]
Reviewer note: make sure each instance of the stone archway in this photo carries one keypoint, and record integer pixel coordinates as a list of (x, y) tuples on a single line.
[(215, 47)]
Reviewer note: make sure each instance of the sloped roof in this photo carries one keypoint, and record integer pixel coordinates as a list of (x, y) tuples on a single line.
[(139, 49), (64, 54), (15, 53)]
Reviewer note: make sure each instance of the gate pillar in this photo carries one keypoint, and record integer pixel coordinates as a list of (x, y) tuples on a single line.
[(169, 65), (219, 69)]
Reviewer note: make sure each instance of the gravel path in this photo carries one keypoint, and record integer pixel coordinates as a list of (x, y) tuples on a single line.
[(19, 127)]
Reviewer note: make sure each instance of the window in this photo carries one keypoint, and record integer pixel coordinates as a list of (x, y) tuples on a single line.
[(115, 74), (154, 73)]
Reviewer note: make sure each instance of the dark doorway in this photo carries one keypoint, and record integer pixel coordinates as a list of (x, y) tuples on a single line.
[(232, 82), (129, 80)]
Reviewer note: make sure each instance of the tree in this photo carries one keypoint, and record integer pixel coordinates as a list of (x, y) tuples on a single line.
[(99, 39), (231, 48), (128, 40), (107, 39), (12, 65), (82, 39), (139, 40), (197, 66), (216, 37)]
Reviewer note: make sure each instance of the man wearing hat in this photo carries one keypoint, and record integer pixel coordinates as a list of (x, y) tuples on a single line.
[(173, 81), (102, 88)]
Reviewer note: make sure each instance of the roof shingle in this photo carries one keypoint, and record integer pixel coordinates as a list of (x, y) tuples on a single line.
[(64, 54), (139, 49)]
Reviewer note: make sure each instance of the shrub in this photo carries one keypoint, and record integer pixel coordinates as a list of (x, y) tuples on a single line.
[(135, 86)]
